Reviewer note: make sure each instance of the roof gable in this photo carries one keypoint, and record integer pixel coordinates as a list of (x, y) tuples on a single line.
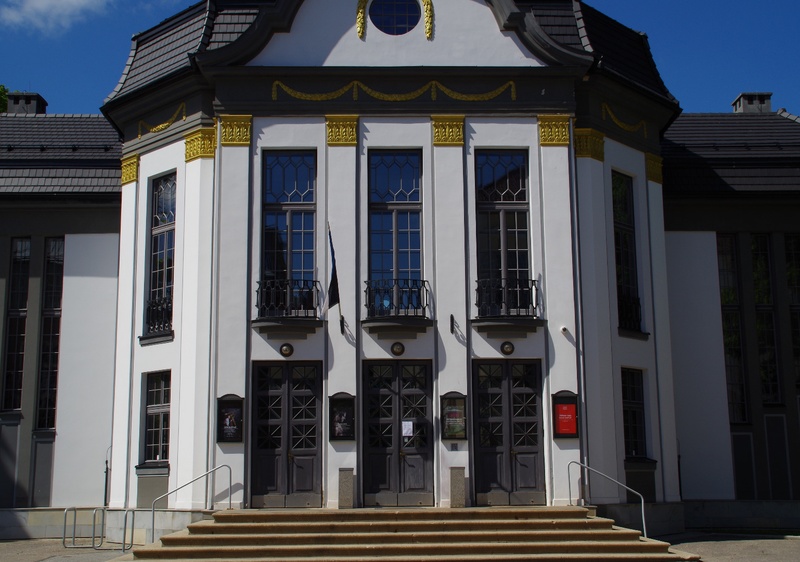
[(455, 33)]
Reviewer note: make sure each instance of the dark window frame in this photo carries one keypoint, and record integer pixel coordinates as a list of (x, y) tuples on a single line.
[(629, 308), (634, 412), (13, 358), (157, 400), (161, 256), (505, 284), (49, 343), (733, 337)]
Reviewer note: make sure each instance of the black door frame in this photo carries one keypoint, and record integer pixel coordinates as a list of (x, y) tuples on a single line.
[(516, 457), (410, 457), (292, 461)]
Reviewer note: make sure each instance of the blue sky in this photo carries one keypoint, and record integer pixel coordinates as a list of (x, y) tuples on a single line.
[(73, 51)]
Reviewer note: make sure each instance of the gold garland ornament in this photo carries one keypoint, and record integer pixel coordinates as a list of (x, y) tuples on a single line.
[(166, 124), (621, 124), (434, 87)]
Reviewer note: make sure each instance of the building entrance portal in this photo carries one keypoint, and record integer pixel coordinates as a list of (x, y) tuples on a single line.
[(398, 434), (286, 458), (507, 422)]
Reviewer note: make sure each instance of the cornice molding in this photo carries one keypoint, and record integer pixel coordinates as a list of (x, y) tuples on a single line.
[(201, 143), (342, 130), (130, 169), (235, 130), (654, 166), (448, 130), (554, 130), (590, 143)]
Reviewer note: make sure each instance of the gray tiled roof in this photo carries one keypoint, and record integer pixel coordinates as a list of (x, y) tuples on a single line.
[(620, 50), (166, 48), (557, 18), (58, 153), (718, 153)]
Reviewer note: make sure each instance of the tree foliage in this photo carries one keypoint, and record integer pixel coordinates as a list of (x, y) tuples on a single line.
[(3, 99)]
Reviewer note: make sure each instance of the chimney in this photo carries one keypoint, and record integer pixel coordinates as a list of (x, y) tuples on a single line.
[(26, 102), (753, 102)]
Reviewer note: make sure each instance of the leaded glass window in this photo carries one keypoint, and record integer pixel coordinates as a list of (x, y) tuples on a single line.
[(628, 303), (51, 333), (633, 413), (157, 423), (727, 260), (162, 255), (395, 17), (768, 369), (16, 323)]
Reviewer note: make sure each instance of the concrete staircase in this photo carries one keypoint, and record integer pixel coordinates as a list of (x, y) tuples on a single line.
[(408, 535)]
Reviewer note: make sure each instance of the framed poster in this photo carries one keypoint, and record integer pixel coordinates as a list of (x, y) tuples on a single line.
[(565, 414), (454, 416), (343, 417), (230, 419)]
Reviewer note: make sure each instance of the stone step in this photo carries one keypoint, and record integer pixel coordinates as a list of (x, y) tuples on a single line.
[(401, 514), (395, 549), (408, 535), (385, 538), (398, 526)]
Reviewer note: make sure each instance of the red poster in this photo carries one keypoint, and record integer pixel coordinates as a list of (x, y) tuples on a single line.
[(566, 419)]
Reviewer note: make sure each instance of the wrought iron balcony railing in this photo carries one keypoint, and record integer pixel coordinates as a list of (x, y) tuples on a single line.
[(392, 298), (507, 297), (158, 316), (287, 298)]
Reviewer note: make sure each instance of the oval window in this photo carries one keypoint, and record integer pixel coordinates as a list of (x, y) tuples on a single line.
[(395, 17)]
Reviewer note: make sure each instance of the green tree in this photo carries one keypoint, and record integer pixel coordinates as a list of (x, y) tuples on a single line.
[(3, 99)]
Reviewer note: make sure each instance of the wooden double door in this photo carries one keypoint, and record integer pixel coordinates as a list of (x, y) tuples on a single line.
[(507, 433), (287, 435), (398, 433)]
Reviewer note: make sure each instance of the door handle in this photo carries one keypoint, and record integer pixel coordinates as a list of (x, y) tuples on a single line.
[(290, 456), (513, 453)]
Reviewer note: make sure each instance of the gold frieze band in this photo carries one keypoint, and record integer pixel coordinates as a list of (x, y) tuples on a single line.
[(448, 130), (590, 144), (130, 169), (201, 143), (357, 86), (654, 168), (554, 130), (342, 130), (235, 130)]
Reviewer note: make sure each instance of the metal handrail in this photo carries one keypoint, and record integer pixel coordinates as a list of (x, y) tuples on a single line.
[(569, 484), (161, 497), (125, 545), (94, 545)]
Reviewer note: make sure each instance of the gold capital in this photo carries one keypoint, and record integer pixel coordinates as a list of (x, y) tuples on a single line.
[(589, 144), (654, 168), (342, 130), (554, 130), (201, 143), (448, 130), (235, 130), (130, 169)]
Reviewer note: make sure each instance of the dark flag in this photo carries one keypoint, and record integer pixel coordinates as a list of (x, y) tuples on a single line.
[(332, 297)]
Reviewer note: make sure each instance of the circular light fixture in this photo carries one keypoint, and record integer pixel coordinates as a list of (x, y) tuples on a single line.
[(507, 348), (398, 349), (287, 350)]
